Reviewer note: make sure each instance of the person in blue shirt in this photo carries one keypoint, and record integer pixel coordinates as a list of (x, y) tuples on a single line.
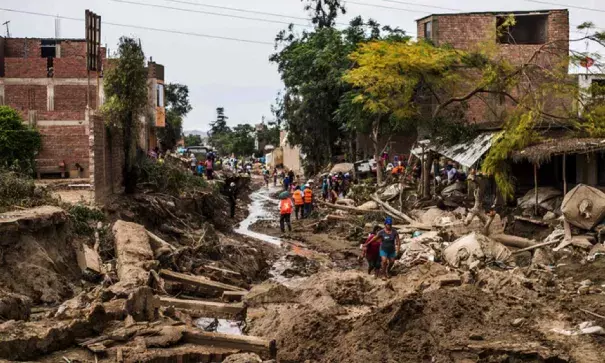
[(286, 183), (200, 168)]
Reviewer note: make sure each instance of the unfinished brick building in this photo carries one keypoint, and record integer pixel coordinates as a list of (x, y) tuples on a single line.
[(532, 31), (46, 81)]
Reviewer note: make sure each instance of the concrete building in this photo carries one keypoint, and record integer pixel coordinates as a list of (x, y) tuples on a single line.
[(47, 82)]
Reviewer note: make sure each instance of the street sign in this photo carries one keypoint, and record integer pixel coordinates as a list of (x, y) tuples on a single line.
[(93, 41)]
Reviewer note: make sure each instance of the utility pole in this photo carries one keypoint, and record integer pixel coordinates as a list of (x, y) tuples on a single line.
[(8, 33)]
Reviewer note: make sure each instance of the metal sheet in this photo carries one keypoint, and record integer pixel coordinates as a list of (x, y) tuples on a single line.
[(467, 154)]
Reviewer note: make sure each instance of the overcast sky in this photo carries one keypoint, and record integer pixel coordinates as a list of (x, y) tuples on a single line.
[(232, 74)]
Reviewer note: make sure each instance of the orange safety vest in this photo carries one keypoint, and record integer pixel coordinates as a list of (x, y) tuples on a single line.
[(285, 206), (298, 197), (308, 195)]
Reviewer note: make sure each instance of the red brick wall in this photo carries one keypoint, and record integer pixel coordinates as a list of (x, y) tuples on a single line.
[(107, 154), (73, 48), (64, 143), (22, 47), (72, 98), (18, 97), (468, 31), (25, 68), (74, 67), (60, 115)]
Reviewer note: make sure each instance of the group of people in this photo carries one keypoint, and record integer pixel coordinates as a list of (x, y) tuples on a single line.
[(381, 248), (301, 203), (335, 186), (202, 167)]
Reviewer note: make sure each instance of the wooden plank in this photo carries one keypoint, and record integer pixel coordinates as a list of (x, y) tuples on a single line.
[(222, 270), (242, 343), (198, 282), (207, 309), (234, 295)]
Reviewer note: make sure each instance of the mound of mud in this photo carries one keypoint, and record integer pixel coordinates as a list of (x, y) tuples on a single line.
[(351, 317), (38, 255)]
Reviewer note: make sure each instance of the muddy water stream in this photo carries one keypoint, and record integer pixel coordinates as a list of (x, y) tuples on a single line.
[(258, 211)]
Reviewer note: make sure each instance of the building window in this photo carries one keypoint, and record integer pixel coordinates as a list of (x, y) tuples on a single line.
[(160, 95), (597, 88), (48, 48), (528, 29), (428, 30)]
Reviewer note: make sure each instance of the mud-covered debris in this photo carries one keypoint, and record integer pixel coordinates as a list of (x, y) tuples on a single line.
[(473, 248), (14, 306), (297, 265), (371, 205), (243, 358), (584, 206), (270, 292), (587, 327)]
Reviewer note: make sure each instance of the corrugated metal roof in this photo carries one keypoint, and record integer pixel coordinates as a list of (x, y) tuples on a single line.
[(467, 153)]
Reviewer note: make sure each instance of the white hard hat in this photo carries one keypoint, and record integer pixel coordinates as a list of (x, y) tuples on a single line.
[(307, 185), (232, 184)]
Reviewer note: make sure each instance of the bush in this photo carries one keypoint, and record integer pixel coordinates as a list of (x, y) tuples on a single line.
[(19, 143), (19, 190), (168, 177)]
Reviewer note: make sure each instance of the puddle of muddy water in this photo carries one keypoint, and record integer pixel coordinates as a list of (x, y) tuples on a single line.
[(257, 212), (224, 326)]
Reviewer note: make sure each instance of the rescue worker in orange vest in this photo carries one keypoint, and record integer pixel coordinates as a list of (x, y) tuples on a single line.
[(298, 203), (308, 200), (285, 211)]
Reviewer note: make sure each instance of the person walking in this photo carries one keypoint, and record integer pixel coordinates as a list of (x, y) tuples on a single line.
[(209, 169), (308, 197), (285, 211), (298, 203), (371, 251), (389, 247), (232, 194), (275, 177), (193, 162)]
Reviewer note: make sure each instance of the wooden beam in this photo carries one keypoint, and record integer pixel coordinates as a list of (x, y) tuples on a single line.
[(536, 188), (392, 210), (230, 296), (564, 174), (207, 309), (198, 282), (243, 343)]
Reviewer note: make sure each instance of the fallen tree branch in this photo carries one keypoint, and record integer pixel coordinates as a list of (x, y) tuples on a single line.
[(392, 210), (536, 246), (342, 207), (591, 313), (513, 241)]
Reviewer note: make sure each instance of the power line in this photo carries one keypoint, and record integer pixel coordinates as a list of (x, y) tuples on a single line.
[(421, 5), (566, 5), (143, 27), (235, 9), (386, 7), (209, 13)]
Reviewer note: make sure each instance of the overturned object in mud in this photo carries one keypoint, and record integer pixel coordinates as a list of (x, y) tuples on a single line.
[(475, 248), (390, 192), (584, 206)]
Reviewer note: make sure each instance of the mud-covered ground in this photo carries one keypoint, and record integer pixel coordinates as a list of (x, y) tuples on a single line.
[(336, 312)]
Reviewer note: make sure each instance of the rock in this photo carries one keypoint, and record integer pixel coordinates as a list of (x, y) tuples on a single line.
[(14, 306), (371, 205), (345, 201), (475, 336), (243, 358), (517, 322), (549, 216)]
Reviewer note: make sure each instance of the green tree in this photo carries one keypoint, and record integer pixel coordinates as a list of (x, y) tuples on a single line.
[(19, 143), (193, 140), (177, 107), (311, 65), (219, 135), (125, 84), (242, 140)]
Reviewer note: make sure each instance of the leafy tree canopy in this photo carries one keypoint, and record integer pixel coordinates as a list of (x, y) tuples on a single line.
[(177, 107), (19, 143)]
